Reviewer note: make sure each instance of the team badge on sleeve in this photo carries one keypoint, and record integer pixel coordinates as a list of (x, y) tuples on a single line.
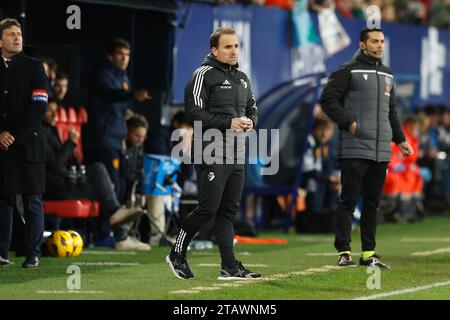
[(244, 83), (39, 95)]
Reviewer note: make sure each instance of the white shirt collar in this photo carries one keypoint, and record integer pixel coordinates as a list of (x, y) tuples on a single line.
[(5, 61)]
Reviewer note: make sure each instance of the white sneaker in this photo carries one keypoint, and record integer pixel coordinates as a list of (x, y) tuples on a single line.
[(124, 215), (140, 246), (130, 244), (124, 245)]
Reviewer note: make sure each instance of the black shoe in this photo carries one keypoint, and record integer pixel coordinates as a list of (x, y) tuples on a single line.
[(4, 262), (31, 262), (179, 266), (373, 261), (345, 260), (238, 272)]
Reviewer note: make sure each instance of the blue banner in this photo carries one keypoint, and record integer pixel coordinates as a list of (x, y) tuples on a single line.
[(417, 55), (264, 56)]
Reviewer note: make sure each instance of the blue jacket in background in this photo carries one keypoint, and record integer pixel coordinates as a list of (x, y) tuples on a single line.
[(109, 98)]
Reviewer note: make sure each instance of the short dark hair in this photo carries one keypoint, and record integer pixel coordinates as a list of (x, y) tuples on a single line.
[(364, 34), (8, 23), (117, 44), (181, 118), (50, 62), (137, 121), (215, 36), (61, 76)]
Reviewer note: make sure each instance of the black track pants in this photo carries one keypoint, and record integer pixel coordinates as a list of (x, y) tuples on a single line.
[(359, 176), (219, 194)]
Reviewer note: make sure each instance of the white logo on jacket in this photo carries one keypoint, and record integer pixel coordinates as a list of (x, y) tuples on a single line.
[(365, 76), (211, 176), (226, 85)]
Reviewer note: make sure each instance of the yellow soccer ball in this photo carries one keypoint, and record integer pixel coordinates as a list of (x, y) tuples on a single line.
[(60, 244), (77, 243)]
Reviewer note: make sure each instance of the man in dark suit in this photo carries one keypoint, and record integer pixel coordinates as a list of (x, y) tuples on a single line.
[(23, 101)]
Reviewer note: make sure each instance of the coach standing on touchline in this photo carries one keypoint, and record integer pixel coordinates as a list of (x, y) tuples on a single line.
[(360, 98), (220, 96), (23, 102)]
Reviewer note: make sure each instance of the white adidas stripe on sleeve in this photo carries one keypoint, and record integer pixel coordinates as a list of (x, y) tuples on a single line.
[(198, 85)]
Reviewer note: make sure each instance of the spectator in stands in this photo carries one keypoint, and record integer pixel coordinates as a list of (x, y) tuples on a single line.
[(444, 130), (415, 13), (96, 185), (257, 2), (388, 13), (344, 8), (110, 96), (319, 5), (428, 145), (51, 69), (411, 196), (133, 170), (60, 89), (440, 15), (444, 145), (283, 4), (134, 154), (402, 191), (359, 9), (318, 177), (160, 142)]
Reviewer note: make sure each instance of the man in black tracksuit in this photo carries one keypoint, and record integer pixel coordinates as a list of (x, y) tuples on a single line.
[(360, 98), (219, 97)]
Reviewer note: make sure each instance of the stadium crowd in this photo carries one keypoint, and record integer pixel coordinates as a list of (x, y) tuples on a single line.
[(434, 13)]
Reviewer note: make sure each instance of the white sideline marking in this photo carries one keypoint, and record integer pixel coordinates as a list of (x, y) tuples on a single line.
[(408, 290), (328, 254), (108, 263), (226, 285), (184, 291), (243, 253), (112, 252), (205, 288), (68, 291), (196, 253), (273, 277), (425, 239), (313, 239), (218, 265), (429, 253)]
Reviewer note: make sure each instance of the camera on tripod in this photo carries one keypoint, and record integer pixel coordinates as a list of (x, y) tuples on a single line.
[(160, 175), (160, 180)]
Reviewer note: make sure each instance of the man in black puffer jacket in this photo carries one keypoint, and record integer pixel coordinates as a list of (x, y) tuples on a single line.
[(360, 98), (219, 97)]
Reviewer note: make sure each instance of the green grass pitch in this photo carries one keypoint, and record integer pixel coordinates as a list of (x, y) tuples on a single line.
[(305, 268)]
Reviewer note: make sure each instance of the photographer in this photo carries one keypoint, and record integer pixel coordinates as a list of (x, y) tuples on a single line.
[(94, 184)]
